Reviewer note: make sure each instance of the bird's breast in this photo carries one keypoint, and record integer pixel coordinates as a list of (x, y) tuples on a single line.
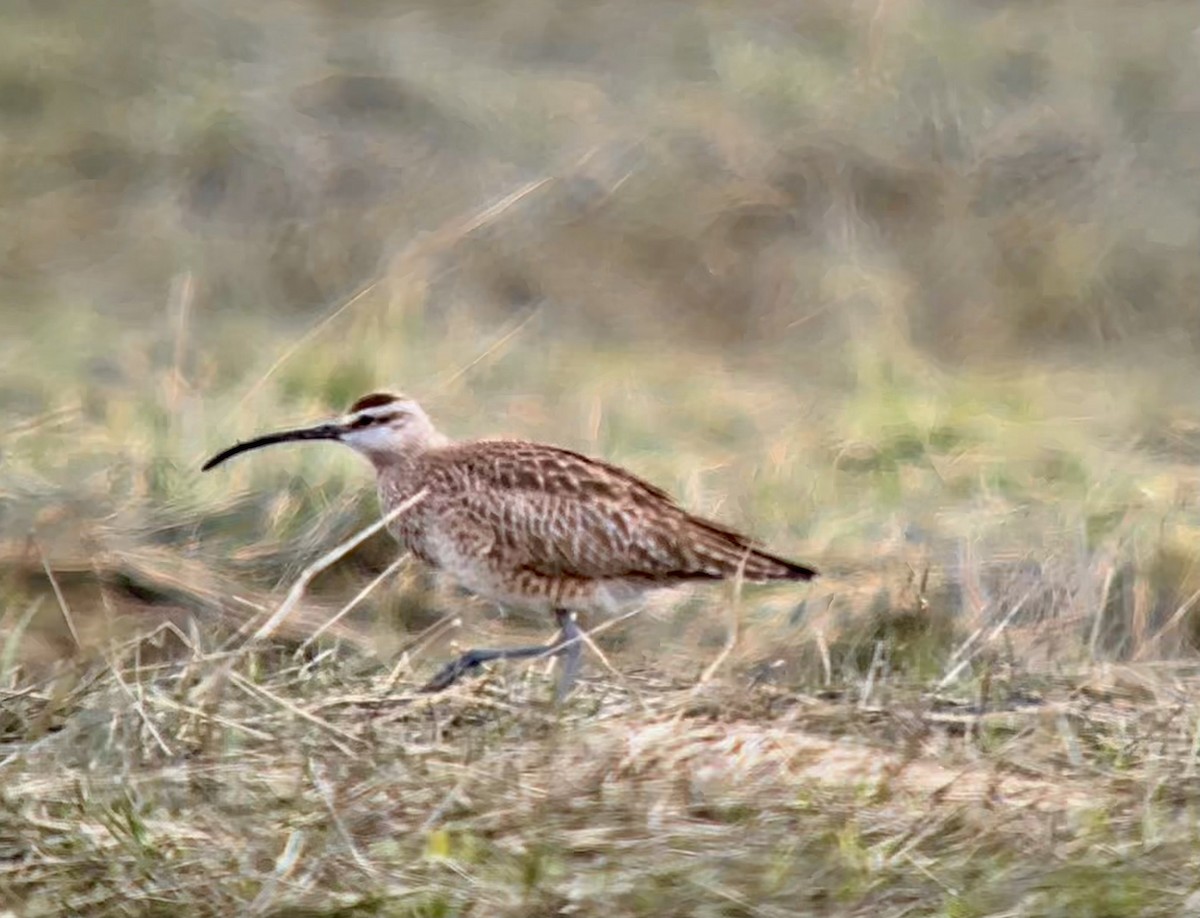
[(411, 528)]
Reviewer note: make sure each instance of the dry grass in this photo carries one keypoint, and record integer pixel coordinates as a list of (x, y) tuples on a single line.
[(989, 712), (314, 788)]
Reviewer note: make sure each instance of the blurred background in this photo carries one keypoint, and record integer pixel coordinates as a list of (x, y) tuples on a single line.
[(907, 289)]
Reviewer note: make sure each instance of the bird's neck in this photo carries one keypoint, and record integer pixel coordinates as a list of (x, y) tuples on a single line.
[(402, 464), (396, 477)]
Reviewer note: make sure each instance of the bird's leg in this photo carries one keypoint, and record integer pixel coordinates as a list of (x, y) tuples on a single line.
[(569, 648), (567, 644)]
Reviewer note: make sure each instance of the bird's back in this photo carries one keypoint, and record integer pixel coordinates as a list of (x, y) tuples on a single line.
[(554, 512)]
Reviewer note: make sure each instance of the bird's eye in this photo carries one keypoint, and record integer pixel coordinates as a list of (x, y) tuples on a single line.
[(360, 422)]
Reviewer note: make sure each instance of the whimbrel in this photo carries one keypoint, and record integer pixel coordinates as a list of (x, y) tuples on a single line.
[(530, 524)]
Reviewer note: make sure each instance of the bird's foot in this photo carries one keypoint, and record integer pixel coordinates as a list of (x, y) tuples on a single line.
[(445, 677), (567, 645)]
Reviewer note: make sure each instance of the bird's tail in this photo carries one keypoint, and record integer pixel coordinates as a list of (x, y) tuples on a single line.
[(722, 552)]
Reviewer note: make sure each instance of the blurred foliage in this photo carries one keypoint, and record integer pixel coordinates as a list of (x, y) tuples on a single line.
[(986, 180)]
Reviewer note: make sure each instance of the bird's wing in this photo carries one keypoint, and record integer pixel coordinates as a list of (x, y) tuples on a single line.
[(557, 512)]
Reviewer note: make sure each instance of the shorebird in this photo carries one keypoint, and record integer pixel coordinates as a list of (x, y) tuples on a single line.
[(529, 524)]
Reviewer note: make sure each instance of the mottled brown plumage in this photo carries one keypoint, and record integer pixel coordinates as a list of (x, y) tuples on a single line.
[(531, 524)]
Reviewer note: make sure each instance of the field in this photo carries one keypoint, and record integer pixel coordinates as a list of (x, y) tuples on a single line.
[(908, 290)]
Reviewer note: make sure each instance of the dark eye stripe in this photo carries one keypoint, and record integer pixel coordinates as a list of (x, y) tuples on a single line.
[(370, 420)]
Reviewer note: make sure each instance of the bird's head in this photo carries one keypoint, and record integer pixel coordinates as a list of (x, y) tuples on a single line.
[(383, 427)]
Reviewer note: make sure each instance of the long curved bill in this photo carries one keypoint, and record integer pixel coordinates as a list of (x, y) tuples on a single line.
[(320, 432)]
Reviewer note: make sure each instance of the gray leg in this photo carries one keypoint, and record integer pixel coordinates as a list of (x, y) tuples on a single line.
[(570, 652), (567, 645)]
